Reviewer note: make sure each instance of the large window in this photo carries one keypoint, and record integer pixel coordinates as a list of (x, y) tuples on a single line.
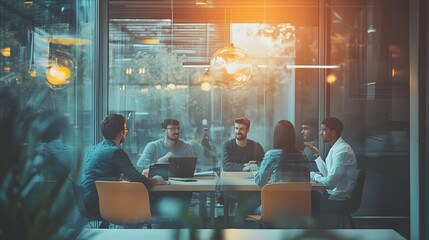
[(157, 67), (352, 64)]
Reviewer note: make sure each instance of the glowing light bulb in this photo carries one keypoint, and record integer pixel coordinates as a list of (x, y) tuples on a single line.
[(231, 68), (58, 75), (206, 86)]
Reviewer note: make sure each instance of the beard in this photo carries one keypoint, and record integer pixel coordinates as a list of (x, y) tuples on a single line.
[(240, 137), (173, 138)]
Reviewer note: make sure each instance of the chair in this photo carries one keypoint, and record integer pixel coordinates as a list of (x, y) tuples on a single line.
[(355, 200), (78, 198), (284, 201), (124, 203)]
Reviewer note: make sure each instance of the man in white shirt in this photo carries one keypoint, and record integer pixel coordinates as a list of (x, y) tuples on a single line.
[(338, 172)]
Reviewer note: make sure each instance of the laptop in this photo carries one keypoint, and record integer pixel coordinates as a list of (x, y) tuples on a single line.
[(160, 169), (182, 167)]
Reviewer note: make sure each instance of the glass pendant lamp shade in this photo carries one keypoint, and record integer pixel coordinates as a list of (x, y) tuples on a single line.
[(59, 71), (230, 67)]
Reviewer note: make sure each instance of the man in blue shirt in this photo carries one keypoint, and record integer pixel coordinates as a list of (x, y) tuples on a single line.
[(107, 161)]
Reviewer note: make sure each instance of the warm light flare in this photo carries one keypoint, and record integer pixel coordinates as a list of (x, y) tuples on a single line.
[(231, 68), (331, 78), (206, 86), (5, 52)]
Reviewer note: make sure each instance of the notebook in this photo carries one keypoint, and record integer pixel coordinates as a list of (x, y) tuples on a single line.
[(182, 167), (160, 169)]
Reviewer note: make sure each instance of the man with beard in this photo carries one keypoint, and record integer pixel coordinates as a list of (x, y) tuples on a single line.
[(107, 161), (241, 153), (159, 151)]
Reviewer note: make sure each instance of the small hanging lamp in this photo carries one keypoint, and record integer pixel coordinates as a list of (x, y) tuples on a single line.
[(60, 70), (230, 67)]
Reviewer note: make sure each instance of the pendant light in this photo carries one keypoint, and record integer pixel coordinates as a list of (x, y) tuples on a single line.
[(60, 69), (230, 66)]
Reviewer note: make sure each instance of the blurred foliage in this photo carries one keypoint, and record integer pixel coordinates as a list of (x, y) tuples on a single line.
[(30, 207)]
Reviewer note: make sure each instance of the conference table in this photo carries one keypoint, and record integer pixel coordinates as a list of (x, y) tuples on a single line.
[(208, 186)]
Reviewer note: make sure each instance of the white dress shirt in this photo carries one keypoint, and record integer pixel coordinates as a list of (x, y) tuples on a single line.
[(339, 172)]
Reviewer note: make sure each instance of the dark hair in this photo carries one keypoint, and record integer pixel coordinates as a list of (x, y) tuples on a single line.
[(285, 137), (50, 125), (243, 120), (334, 124), (112, 125), (312, 122), (170, 121), (292, 157)]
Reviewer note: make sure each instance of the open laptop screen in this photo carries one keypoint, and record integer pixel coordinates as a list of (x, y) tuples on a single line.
[(182, 167)]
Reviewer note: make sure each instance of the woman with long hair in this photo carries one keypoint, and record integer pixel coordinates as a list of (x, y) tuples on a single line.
[(285, 162)]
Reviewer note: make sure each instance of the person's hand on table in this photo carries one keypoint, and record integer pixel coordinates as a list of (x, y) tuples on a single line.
[(250, 166), (158, 180)]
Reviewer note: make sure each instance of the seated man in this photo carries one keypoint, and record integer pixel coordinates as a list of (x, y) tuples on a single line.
[(338, 172), (239, 154), (243, 154), (309, 135), (107, 161), (170, 145), (159, 151)]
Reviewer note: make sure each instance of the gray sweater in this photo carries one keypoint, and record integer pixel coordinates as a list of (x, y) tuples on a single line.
[(157, 149)]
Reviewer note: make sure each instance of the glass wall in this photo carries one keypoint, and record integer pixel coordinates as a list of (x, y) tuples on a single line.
[(46, 113), (310, 60), (157, 68), (371, 95), (47, 58)]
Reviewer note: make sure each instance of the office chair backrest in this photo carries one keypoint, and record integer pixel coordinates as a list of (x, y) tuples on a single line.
[(289, 199), (357, 191), (124, 203)]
